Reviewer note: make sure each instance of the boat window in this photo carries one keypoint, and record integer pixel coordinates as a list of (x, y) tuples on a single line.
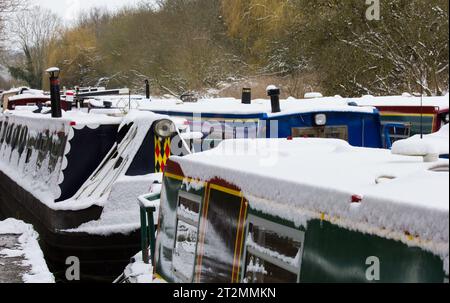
[(15, 136), (273, 252), (23, 140), (188, 214), (40, 143), (330, 132), (393, 132), (9, 133), (219, 248), (4, 130), (262, 271), (57, 145), (241, 130)]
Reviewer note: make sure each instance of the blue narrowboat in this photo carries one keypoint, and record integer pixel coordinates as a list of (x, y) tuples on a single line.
[(228, 118)]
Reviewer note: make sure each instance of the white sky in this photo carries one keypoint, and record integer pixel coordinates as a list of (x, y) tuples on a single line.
[(69, 9)]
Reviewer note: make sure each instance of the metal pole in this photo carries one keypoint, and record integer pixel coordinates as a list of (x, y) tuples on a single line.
[(144, 235), (151, 231), (147, 89), (421, 103)]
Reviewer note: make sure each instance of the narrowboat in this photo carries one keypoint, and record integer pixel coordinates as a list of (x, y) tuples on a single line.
[(228, 118), (75, 178), (22, 96), (407, 115), (302, 210)]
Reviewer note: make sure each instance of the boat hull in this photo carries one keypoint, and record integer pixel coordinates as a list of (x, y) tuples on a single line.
[(102, 258)]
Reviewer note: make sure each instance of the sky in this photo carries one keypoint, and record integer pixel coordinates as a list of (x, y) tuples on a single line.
[(69, 9)]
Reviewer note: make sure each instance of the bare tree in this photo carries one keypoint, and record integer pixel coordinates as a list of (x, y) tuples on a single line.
[(417, 51), (35, 30), (7, 7)]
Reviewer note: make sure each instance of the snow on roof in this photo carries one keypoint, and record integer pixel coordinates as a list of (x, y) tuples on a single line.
[(29, 96), (24, 90), (433, 144), (405, 100), (316, 178), (80, 118), (118, 101), (258, 106)]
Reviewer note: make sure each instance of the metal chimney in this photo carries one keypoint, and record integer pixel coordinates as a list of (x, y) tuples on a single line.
[(274, 93), (246, 96), (55, 92)]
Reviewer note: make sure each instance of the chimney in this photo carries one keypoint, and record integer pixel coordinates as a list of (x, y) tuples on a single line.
[(55, 94), (274, 93), (246, 96)]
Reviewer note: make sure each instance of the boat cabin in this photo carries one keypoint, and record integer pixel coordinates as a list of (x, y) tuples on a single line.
[(323, 211), (220, 119), (22, 96), (405, 116)]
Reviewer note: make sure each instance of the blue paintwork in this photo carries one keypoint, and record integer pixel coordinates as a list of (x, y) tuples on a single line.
[(364, 129), (387, 129)]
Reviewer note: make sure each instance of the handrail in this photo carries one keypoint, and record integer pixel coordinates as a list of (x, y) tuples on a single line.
[(148, 205)]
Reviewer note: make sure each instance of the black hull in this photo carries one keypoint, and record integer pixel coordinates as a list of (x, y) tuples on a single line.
[(102, 258)]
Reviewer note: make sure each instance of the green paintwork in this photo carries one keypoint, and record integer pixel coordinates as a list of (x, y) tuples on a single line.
[(331, 254), (413, 120), (334, 254)]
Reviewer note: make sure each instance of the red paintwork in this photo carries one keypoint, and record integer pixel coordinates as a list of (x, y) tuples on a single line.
[(33, 101), (175, 169), (409, 109), (415, 110)]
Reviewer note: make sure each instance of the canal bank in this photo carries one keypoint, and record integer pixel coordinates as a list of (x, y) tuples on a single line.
[(21, 258)]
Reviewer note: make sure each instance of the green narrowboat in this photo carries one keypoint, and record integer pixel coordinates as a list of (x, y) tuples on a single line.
[(302, 211)]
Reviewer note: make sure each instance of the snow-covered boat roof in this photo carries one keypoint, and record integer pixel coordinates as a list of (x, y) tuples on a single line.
[(231, 106), (116, 100), (403, 198), (433, 144), (79, 118), (400, 101), (259, 106), (24, 90), (29, 96)]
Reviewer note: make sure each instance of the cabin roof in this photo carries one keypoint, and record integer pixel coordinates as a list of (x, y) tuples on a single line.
[(28, 96), (320, 163), (402, 101), (80, 118), (231, 106), (25, 90), (291, 178)]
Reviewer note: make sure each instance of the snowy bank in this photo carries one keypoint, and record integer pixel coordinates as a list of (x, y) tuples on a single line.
[(29, 249)]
